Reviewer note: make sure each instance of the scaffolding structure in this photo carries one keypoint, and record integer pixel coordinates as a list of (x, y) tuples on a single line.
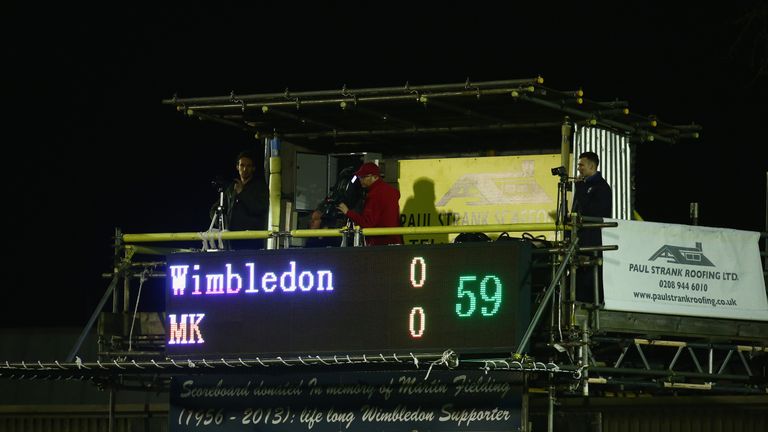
[(569, 349)]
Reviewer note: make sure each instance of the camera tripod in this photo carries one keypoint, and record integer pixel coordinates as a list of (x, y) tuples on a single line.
[(563, 187), (218, 224), (351, 238)]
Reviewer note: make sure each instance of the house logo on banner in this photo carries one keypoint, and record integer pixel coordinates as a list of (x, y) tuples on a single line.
[(476, 191), (683, 255), (496, 189)]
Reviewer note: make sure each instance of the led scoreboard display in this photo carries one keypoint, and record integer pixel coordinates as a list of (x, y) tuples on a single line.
[(469, 297)]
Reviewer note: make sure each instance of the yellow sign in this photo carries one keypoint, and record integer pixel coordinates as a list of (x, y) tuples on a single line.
[(477, 191)]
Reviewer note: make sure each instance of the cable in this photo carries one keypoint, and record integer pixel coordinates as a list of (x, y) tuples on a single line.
[(144, 277)]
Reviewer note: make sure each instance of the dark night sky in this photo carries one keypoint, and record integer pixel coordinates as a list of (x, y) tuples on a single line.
[(91, 148)]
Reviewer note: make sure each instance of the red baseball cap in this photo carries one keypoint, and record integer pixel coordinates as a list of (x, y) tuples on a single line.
[(368, 168)]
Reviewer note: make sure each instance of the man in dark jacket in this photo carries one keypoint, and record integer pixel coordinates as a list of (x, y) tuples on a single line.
[(246, 202), (381, 209), (591, 197)]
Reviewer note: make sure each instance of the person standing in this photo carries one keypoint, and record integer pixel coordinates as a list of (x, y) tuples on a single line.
[(381, 208), (592, 197), (246, 201)]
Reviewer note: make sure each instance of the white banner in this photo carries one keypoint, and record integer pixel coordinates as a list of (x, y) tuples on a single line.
[(684, 270)]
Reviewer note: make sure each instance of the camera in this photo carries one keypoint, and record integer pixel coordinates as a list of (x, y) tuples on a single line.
[(560, 171), (345, 190)]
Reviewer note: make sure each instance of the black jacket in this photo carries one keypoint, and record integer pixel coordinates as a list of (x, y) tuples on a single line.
[(248, 209), (592, 197)]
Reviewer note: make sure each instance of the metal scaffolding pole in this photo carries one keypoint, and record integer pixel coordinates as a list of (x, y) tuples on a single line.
[(547, 294), (363, 91)]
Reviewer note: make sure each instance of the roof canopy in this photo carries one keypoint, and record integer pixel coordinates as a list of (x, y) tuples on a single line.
[(500, 115)]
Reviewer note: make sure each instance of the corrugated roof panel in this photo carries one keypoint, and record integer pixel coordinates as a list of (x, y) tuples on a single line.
[(615, 155)]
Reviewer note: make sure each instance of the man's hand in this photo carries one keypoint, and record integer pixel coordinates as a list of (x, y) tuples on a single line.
[(343, 208)]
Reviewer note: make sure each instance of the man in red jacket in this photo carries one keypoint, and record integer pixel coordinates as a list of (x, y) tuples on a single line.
[(381, 208)]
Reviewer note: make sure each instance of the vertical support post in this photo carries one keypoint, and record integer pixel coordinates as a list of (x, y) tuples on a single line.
[(126, 292), (112, 403), (524, 405), (598, 304), (595, 276), (565, 143), (287, 225), (572, 276), (585, 358), (275, 190), (118, 257), (572, 293), (694, 213), (147, 413), (126, 284), (551, 409)]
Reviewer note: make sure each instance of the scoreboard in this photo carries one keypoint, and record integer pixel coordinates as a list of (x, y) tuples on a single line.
[(468, 297)]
